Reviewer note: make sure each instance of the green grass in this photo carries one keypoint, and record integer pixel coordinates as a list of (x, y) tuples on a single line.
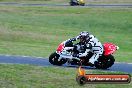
[(26, 76), (108, 1), (36, 31), (38, 1)]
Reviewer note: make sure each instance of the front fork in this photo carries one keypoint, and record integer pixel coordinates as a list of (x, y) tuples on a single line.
[(67, 57)]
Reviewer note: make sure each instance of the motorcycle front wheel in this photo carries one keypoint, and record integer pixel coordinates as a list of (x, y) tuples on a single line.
[(53, 59)]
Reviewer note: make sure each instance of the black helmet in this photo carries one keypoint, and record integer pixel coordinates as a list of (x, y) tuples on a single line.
[(84, 36)]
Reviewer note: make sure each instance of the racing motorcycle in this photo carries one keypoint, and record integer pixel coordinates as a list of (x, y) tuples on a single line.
[(65, 50), (77, 2)]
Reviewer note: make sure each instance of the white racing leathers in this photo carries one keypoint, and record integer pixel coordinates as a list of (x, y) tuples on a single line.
[(97, 49)]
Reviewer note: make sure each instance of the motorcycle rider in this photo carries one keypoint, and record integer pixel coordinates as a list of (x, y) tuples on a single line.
[(90, 44)]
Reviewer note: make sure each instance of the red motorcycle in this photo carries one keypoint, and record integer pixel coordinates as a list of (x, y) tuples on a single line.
[(65, 50)]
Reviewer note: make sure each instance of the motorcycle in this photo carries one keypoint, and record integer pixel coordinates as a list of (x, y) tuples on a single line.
[(77, 2), (65, 50)]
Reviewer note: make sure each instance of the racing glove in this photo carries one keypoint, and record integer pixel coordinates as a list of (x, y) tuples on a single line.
[(73, 39)]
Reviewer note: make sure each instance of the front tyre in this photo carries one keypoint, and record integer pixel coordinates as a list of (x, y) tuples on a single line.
[(53, 59)]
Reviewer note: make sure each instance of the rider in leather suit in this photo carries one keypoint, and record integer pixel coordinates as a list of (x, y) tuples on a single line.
[(91, 44)]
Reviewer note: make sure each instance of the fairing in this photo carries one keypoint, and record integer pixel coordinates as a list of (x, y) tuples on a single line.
[(109, 48), (60, 48)]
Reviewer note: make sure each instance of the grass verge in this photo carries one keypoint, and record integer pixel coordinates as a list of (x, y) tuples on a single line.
[(37, 31), (27, 76)]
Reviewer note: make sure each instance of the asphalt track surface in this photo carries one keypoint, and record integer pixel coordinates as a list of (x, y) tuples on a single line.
[(87, 5), (39, 61)]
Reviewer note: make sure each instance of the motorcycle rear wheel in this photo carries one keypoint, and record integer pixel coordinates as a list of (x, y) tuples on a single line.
[(105, 62)]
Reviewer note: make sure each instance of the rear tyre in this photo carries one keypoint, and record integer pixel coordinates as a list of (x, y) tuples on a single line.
[(53, 59), (110, 60), (105, 62)]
